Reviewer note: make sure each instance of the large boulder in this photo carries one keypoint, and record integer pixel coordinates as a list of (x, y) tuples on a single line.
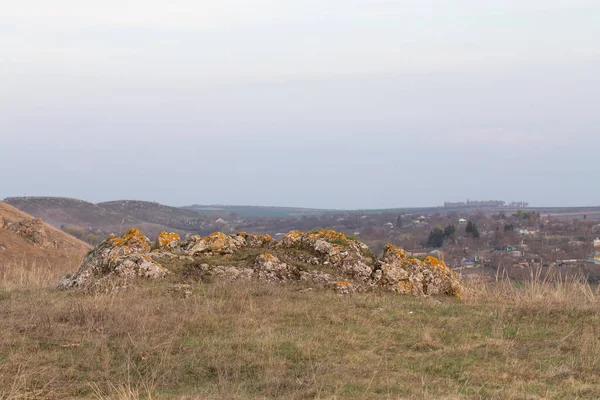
[(402, 273), (216, 243), (123, 257), (335, 251), (256, 240)]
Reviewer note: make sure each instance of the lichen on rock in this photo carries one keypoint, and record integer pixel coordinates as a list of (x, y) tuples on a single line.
[(322, 258), (404, 274), (269, 268), (217, 243), (167, 241), (123, 257)]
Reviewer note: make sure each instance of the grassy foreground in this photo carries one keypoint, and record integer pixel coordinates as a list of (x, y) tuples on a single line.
[(228, 341)]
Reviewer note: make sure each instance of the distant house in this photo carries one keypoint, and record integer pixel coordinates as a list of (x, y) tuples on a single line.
[(462, 221)]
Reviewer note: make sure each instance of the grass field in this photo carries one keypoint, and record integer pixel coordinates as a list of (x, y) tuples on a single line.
[(228, 341)]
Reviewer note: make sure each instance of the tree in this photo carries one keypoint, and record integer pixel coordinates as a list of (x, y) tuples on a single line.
[(449, 230), (472, 229), (436, 238), (399, 221)]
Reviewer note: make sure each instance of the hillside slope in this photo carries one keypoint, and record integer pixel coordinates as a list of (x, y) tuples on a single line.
[(58, 211), (27, 243)]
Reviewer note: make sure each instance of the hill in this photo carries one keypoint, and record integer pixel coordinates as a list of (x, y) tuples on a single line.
[(173, 217), (256, 211), (58, 211), (82, 218), (28, 244)]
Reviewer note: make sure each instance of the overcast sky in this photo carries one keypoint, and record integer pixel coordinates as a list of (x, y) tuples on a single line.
[(333, 104)]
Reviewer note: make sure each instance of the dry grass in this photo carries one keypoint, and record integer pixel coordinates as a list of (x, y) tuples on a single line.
[(536, 341)]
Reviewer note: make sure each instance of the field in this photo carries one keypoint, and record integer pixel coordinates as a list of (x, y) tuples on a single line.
[(228, 341)]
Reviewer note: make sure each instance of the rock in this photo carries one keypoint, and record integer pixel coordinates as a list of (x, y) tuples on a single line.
[(138, 266), (183, 289), (33, 231), (124, 257), (217, 243), (191, 242), (318, 278), (269, 268), (232, 273), (256, 240), (334, 249), (343, 287), (167, 241), (2, 248), (323, 258), (1, 222), (404, 274)]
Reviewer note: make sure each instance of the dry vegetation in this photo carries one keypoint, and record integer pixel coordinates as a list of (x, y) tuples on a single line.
[(537, 341)]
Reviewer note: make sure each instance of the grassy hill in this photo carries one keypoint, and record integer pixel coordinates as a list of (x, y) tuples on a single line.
[(241, 341), (246, 340), (110, 217), (59, 211), (22, 260), (154, 213)]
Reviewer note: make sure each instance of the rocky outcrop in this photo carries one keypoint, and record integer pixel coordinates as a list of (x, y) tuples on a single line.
[(32, 230), (124, 257), (323, 258), (402, 273), (216, 243), (334, 250), (256, 240)]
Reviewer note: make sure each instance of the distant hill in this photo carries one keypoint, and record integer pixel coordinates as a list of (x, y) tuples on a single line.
[(82, 218), (58, 211), (155, 213), (255, 211), (27, 243)]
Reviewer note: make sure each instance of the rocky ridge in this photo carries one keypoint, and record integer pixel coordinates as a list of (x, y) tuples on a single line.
[(323, 258)]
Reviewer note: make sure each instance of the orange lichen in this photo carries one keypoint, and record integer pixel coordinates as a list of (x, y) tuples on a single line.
[(329, 236), (342, 283), (165, 239), (132, 235), (395, 250)]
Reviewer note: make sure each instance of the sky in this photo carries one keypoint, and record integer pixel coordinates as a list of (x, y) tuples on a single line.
[(342, 104)]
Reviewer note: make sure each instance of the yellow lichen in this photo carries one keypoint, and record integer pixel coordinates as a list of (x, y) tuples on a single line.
[(330, 236), (165, 239), (131, 235)]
